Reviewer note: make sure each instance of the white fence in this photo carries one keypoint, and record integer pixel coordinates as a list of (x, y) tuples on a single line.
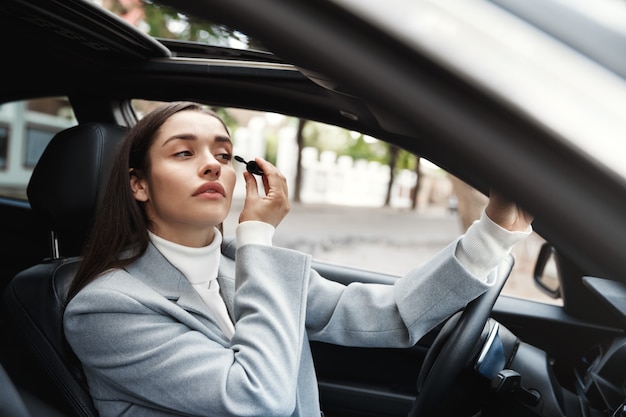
[(328, 178)]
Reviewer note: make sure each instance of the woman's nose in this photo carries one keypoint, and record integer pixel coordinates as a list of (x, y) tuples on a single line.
[(211, 167)]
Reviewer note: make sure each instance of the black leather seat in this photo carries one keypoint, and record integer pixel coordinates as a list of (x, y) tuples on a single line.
[(11, 402), (63, 192)]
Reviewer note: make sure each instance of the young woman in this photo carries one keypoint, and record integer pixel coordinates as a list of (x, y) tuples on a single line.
[(169, 319)]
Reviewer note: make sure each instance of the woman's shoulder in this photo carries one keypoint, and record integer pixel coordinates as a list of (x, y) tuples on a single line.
[(113, 284), (110, 278)]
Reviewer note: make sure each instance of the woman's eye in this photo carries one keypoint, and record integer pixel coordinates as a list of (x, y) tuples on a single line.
[(183, 153), (225, 157)]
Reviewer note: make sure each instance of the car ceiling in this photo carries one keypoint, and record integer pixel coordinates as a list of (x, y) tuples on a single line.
[(438, 115)]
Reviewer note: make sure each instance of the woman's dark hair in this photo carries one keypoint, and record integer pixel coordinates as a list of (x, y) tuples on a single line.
[(119, 234)]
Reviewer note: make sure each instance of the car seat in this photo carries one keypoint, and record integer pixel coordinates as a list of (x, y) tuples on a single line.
[(63, 192), (11, 402)]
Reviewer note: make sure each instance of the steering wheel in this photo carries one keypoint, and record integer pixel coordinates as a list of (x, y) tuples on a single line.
[(455, 346)]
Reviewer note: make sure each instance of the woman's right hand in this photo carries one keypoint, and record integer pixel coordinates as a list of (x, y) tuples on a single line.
[(274, 206)]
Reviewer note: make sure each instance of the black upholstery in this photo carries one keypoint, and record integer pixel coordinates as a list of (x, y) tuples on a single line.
[(64, 190), (69, 179), (11, 402)]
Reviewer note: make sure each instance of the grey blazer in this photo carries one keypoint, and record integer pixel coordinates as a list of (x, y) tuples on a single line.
[(149, 346)]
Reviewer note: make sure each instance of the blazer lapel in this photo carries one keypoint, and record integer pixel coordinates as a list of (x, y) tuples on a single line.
[(158, 273), (226, 280)]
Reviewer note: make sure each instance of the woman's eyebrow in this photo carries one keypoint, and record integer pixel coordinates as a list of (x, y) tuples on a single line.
[(182, 136), (223, 139), (189, 136)]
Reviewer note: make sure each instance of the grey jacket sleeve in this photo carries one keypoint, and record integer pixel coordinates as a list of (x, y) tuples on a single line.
[(391, 315)]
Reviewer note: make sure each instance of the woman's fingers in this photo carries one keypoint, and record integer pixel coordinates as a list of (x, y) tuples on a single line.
[(274, 206), (506, 213)]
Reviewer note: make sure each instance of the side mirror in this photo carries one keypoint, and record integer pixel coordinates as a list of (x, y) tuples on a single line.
[(547, 274)]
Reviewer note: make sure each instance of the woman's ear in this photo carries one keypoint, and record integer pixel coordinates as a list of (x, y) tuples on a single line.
[(138, 186)]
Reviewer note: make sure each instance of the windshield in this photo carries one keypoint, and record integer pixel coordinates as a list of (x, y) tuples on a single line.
[(550, 59)]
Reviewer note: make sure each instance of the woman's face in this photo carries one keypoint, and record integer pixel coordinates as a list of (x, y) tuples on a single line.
[(190, 187)]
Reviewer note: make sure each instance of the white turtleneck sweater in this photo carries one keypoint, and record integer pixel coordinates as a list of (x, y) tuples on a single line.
[(200, 267), (480, 250)]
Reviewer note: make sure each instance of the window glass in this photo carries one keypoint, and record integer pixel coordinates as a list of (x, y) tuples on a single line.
[(348, 209), (26, 127), (162, 21), (36, 141), (4, 141)]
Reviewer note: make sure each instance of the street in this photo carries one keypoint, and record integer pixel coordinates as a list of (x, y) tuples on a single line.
[(385, 239), (381, 239)]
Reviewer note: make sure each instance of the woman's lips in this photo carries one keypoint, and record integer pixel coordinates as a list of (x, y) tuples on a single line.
[(210, 188)]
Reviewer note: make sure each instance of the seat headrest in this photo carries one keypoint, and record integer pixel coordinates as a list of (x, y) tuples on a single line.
[(69, 179)]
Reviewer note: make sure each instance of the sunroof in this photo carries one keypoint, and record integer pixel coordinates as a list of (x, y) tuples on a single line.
[(164, 22)]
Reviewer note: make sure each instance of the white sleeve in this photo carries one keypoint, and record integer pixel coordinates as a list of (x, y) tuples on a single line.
[(485, 245), (254, 232)]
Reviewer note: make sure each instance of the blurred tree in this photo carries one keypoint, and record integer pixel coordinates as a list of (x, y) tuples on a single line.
[(394, 153), (358, 146), (163, 22), (418, 182), (393, 156), (300, 144)]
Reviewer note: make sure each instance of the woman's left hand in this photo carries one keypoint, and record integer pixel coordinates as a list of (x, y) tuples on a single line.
[(507, 214)]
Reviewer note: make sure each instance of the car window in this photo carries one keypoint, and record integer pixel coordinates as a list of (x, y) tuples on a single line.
[(347, 209), (26, 127)]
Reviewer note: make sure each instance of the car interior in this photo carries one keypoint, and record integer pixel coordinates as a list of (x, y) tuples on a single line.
[(502, 355), (63, 192)]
